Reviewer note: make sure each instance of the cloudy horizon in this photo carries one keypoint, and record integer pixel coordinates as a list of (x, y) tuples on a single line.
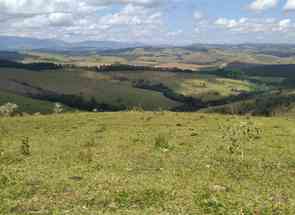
[(174, 22)]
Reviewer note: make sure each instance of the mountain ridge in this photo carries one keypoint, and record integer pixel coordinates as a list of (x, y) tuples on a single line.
[(13, 43)]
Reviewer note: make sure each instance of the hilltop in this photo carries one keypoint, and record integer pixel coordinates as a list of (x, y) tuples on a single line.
[(146, 163)]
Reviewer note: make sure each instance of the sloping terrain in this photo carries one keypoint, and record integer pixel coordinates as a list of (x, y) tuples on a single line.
[(146, 163), (274, 103), (103, 89), (210, 76)]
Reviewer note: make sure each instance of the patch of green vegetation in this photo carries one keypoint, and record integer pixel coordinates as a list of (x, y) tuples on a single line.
[(109, 163), (26, 104), (104, 89), (273, 103)]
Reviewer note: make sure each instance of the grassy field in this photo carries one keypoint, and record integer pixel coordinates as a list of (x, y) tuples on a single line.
[(146, 163)]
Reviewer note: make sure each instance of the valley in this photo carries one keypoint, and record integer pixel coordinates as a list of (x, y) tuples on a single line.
[(200, 79)]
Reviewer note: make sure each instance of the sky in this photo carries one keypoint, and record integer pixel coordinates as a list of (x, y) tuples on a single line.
[(154, 22)]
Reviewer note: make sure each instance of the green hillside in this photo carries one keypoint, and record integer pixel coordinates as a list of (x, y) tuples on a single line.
[(212, 79), (104, 88), (147, 163), (118, 88), (26, 104)]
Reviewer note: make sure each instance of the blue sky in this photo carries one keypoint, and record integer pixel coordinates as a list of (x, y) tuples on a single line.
[(175, 22)]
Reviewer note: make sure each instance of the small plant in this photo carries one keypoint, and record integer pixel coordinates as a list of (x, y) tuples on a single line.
[(58, 108), (25, 147), (214, 206), (86, 155), (1, 149), (8, 109), (3, 133), (91, 143), (141, 199), (209, 203), (237, 136), (161, 142)]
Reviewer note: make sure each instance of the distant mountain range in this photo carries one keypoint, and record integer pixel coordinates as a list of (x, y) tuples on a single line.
[(9, 43), (14, 44)]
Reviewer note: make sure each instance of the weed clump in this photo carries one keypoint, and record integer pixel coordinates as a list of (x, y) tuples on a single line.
[(25, 147), (209, 203), (1, 149), (162, 143), (2, 133), (86, 153), (237, 136), (141, 199)]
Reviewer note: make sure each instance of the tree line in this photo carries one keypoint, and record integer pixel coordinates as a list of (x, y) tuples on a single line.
[(128, 67), (29, 66)]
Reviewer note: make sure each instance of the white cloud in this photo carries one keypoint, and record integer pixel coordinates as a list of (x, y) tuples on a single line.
[(134, 21), (290, 5), (198, 15), (35, 6), (132, 15), (227, 23), (174, 33), (79, 20), (284, 24), (129, 20), (45, 20), (260, 5), (246, 25), (60, 19), (135, 2), (62, 6)]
